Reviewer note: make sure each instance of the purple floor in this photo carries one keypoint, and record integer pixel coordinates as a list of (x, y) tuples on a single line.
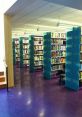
[(35, 97)]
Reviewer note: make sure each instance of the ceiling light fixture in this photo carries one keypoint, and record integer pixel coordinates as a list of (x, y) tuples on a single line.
[(64, 22)]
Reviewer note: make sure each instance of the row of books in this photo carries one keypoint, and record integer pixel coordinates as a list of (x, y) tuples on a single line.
[(25, 41), (58, 35), (25, 47), (26, 62), (38, 47), (38, 42), (38, 63), (57, 67), (58, 41), (38, 52), (38, 58), (57, 60), (58, 54)]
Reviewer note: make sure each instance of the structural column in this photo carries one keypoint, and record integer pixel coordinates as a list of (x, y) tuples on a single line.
[(8, 49)]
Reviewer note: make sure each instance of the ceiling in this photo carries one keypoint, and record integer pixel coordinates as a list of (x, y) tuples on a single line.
[(43, 15), (77, 4)]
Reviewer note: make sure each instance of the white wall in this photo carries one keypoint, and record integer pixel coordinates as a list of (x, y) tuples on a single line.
[(4, 6), (2, 45)]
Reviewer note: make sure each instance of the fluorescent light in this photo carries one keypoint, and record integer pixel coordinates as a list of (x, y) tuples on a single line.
[(61, 21)]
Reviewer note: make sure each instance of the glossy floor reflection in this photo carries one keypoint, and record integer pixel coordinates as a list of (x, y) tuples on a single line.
[(35, 97)]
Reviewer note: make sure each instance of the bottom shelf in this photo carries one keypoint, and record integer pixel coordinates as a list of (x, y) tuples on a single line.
[(80, 82), (39, 67), (62, 80)]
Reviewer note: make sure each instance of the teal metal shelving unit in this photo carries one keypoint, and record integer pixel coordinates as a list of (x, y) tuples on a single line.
[(21, 52), (31, 53), (47, 56), (73, 58), (14, 55)]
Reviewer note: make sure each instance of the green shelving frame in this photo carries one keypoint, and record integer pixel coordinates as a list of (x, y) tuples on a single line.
[(81, 61), (47, 56), (23, 52), (31, 53), (14, 55), (73, 58)]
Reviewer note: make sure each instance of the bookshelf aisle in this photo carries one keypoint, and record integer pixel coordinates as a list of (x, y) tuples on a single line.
[(24, 52), (58, 50), (54, 55), (16, 51), (38, 52)]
